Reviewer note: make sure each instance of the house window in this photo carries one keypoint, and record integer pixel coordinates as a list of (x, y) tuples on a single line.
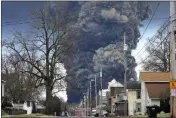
[(138, 94), (138, 107), (113, 91)]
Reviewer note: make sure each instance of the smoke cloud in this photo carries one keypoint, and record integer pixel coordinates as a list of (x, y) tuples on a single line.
[(102, 25), (113, 14)]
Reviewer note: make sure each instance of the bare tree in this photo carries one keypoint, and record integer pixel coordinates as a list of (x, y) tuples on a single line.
[(19, 85), (44, 48), (159, 51)]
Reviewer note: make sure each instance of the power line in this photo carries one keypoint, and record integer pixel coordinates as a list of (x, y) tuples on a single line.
[(30, 20), (154, 49), (148, 26), (150, 21), (150, 41), (165, 23)]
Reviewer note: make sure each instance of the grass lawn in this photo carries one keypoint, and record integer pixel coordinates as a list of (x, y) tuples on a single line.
[(31, 115), (165, 115), (25, 115)]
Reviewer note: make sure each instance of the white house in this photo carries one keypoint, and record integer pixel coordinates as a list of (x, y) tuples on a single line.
[(28, 106), (134, 98), (153, 85), (114, 83)]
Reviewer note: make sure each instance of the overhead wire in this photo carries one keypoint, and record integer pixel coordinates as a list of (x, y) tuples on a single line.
[(165, 23), (154, 49), (150, 40), (148, 26)]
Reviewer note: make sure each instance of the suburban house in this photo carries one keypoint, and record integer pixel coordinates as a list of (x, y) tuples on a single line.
[(29, 106), (134, 98), (115, 89), (153, 86)]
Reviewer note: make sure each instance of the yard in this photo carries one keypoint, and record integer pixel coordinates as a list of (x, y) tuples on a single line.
[(167, 115), (23, 115)]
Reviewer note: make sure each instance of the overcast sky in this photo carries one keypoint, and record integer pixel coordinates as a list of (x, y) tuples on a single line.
[(13, 12)]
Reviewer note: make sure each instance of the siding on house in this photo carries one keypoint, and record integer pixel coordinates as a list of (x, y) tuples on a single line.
[(132, 101), (153, 85), (134, 98)]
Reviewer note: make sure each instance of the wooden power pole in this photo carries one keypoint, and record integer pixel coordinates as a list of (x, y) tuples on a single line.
[(125, 70), (173, 59)]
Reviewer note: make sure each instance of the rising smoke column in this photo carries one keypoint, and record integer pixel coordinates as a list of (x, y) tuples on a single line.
[(102, 25)]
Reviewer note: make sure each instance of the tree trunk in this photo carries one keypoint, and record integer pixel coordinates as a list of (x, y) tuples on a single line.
[(48, 97)]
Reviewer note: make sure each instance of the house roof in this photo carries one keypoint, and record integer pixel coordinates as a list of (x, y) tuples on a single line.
[(155, 76), (114, 83), (156, 89), (133, 85)]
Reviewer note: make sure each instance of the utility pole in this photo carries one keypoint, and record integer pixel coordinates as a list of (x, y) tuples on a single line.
[(84, 104), (125, 70), (87, 99), (101, 90), (96, 90), (172, 55), (90, 98)]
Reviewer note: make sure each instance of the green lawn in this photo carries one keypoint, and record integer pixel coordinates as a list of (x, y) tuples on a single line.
[(25, 115), (165, 115), (31, 115)]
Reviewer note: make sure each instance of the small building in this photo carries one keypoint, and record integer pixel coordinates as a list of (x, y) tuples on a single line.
[(153, 85), (115, 89), (134, 98)]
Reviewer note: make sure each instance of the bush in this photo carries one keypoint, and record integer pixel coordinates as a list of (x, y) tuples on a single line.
[(6, 103), (4, 113), (165, 106)]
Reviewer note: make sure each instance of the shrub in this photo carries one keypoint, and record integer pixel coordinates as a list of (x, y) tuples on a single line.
[(4, 113)]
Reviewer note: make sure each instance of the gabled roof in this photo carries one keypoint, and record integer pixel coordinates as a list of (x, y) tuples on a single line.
[(114, 83), (155, 76), (156, 89)]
